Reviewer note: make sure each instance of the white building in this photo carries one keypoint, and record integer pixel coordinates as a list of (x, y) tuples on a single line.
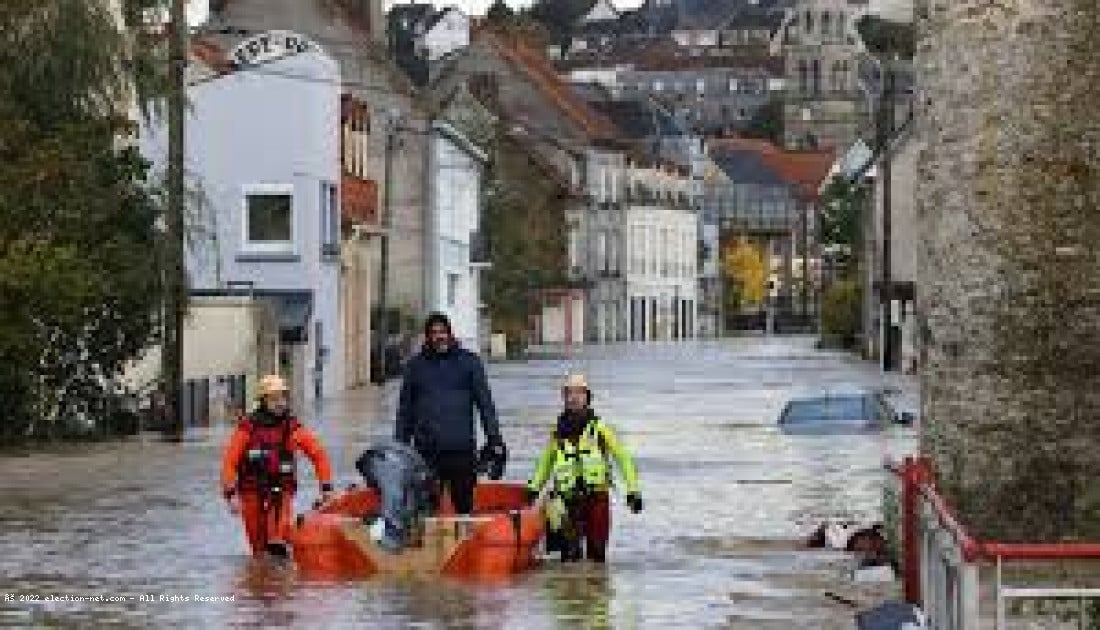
[(454, 263), (442, 34), (263, 163), (596, 245), (661, 254)]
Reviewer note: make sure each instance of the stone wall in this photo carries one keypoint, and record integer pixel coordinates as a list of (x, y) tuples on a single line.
[(1009, 266)]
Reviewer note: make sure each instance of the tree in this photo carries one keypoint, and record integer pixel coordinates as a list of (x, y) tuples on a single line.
[(767, 122), (885, 38), (842, 211), (840, 312), (1008, 187), (79, 294), (744, 264), (499, 13), (525, 213)]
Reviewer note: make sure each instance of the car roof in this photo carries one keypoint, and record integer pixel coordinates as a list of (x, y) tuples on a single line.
[(833, 392)]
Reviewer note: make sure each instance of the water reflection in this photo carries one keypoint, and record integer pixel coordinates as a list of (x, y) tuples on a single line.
[(727, 496), (579, 594)]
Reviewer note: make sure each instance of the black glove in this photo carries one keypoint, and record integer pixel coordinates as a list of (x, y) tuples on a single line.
[(493, 458), (530, 496), (634, 500)]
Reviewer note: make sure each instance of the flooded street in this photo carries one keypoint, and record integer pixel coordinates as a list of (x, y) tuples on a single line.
[(727, 497)]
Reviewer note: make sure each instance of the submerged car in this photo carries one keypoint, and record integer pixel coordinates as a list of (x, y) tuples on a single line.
[(859, 411)]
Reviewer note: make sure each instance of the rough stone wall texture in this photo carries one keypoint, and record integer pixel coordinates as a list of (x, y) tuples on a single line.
[(1009, 266)]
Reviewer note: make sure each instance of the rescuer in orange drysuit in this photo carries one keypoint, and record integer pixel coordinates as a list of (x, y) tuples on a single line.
[(258, 469)]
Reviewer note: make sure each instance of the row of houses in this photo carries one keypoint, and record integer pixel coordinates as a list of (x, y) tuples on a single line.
[(326, 191), (330, 187)]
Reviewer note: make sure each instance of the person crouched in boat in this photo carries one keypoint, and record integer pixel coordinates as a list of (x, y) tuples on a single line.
[(577, 463), (405, 483), (258, 468)]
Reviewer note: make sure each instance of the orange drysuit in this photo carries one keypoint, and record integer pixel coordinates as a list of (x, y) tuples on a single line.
[(259, 467)]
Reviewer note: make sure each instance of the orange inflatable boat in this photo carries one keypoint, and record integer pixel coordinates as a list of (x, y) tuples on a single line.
[(497, 541)]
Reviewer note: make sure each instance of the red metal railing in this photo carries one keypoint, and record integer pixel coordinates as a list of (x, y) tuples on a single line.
[(918, 482)]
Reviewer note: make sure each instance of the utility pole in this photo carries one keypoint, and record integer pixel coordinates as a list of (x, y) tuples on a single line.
[(885, 130), (383, 279), (805, 293), (174, 284)]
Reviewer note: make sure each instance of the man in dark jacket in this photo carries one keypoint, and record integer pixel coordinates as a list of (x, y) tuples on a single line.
[(435, 412)]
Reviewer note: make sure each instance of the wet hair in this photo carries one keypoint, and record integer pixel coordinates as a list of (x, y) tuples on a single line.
[(437, 318)]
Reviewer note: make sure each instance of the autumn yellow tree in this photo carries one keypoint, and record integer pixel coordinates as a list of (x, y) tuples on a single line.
[(743, 262)]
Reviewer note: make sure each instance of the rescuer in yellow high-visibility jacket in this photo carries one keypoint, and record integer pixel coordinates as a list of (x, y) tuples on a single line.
[(577, 463)]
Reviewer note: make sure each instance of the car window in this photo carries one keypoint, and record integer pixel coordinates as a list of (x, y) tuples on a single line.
[(837, 409)]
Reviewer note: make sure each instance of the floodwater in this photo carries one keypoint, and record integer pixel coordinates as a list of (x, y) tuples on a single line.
[(727, 498)]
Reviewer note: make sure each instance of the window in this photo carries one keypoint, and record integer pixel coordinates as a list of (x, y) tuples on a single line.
[(826, 24), (803, 76), (816, 71), (452, 289), (658, 86), (601, 251), (700, 85), (330, 220), (574, 247), (664, 253), (269, 219), (613, 252), (733, 85)]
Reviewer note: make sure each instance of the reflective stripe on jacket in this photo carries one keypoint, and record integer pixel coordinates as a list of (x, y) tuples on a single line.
[(582, 464)]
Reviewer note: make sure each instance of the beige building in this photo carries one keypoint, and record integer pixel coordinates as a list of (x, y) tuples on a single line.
[(825, 105)]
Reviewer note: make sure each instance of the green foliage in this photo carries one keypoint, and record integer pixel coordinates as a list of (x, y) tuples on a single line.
[(840, 312), (886, 39), (79, 295), (523, 218), (527, 239), (499, 13), (767, 122), (843, 205)]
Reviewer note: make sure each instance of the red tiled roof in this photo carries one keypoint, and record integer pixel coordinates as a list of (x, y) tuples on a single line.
[(359, 200), (717, 145), (805, 170), (538, 69), (212, 55)]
